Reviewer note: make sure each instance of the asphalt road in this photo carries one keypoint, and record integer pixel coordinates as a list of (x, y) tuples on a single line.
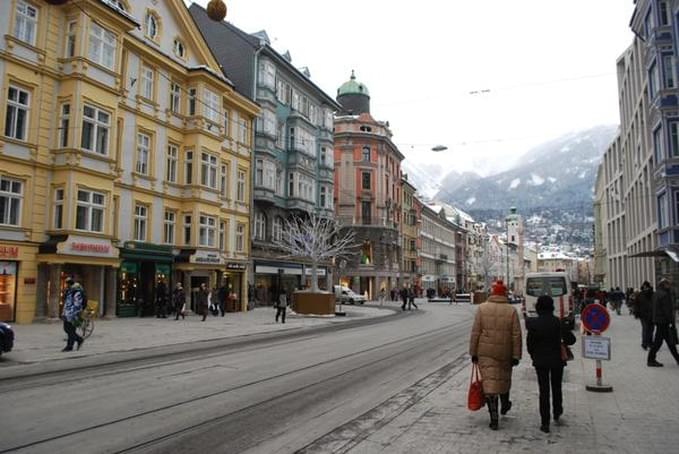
[(311, 392)]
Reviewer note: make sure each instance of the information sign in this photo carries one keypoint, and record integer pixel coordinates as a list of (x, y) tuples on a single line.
[(596, 347)]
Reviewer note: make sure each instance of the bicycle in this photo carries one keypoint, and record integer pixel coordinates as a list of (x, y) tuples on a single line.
[(87, 317)]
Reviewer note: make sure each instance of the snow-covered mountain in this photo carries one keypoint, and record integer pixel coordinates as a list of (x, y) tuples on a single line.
[(425, 177)]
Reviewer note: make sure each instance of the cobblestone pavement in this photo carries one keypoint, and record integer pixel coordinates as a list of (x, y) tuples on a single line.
[(639, 416), (42, 342)]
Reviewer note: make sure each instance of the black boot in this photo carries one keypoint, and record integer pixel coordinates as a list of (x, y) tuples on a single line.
[(491, 401), (505, 403)]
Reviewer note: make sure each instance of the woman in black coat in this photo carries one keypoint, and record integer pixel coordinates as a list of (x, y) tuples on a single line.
[(545, 335)]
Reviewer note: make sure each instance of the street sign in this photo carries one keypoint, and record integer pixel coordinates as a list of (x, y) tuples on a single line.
[(596, 347), (595, 318)]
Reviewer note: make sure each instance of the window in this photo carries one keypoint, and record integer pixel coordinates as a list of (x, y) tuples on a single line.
[(664, 14), (366, 154), (175, 97), (668, 67), (90, 211), (151, 25), (140, 222), (206, 232), (365, 180), (187, 229), (192, 102), (260, 226), (11, 195), (662, 211), (64, 125), (171, 163), (323, 197), (653, 81), (259, 172), (267, 75), (657, 144), (95, 130), (227, 132), (324, 157), (243, 131), (212, 105), (674, 138), (222, 180), (208, 170), (168, 236), (291, 184), (277, 229), (59, 208), (102, 46), (179, 49), (188, 167), (25, 22), (240, 237), (280, 136), (267, 123), (69, 46), (365, 212), (143, 151), (16, 119), (146, 85), (279, 182), (240, 189), (222, 235)]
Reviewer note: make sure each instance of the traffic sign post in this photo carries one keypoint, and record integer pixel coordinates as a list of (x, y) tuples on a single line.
[(595, 319)]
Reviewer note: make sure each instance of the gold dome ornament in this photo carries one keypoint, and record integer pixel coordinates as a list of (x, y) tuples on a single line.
[(216, 10)]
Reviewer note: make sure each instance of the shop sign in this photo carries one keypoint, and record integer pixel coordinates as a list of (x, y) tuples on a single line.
[(29, 281), (236, 266), (319, 271), (9, 252), (91, 247), (205, 257)]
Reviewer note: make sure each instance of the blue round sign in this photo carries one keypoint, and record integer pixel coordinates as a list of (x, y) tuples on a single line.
[(595, 318)]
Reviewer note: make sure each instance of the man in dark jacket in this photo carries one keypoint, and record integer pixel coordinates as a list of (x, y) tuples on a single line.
[(404, 297), (644, 311), (545, 335), (663, 320)]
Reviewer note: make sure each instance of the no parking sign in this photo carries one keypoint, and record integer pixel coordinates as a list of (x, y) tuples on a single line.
[(595, 318)]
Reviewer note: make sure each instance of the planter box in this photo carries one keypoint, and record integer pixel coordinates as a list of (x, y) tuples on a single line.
[(314, 303)]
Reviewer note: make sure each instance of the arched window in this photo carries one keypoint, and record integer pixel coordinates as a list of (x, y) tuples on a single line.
[(179, 49), (151, 28), (366, 154), (260, 226), (277, 230)]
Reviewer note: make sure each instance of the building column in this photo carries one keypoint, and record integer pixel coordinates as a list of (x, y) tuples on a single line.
[(41, 303), (54, 291), (111, 288)]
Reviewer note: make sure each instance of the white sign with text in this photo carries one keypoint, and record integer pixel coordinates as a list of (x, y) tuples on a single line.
[(596, 347)]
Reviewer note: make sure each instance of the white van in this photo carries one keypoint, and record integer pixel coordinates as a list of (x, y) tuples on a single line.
[(555, 284), (345, 295)]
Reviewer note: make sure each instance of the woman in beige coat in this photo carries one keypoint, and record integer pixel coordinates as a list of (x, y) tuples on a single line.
[(495, 345)]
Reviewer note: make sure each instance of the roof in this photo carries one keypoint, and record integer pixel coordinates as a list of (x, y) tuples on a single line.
[(352, 87)]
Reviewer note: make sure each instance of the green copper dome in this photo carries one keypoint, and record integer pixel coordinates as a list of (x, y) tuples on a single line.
[(351, 87)]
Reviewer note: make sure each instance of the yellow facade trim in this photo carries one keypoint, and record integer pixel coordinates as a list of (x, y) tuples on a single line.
[(57, 259)]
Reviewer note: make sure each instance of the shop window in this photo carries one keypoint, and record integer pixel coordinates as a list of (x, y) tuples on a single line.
[(8, 282), (25, 22), (16, 115), (90, 211), (11, 197)]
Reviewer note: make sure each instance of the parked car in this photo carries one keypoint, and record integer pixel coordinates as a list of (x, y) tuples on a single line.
[(555, 284), (345, 295), (6, 338)]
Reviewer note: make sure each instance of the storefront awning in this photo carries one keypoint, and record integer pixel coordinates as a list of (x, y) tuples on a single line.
[(77, 260), (665, 251)]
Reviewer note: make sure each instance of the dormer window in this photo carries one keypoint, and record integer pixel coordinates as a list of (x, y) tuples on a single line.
[(151, 25), (179, 49)]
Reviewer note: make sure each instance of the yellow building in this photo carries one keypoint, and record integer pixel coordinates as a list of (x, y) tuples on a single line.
[(124, 158)]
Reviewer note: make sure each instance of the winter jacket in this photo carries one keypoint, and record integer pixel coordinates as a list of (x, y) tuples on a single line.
[(178, 298), (202, 301), (543, 341), (663, 307), (496, 340), (645, 304), (73, 302), (282, 301)]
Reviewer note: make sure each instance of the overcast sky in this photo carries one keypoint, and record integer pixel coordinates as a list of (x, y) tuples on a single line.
[(549, 66)]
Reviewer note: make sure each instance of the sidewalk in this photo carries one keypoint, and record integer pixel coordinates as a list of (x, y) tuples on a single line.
[(637, 417), (42, 342)]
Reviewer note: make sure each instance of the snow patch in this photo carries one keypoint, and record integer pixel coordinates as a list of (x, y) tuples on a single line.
[(515, 183), (582, 174), (536, 180), (551, 179), (470, 200), (565, 149)]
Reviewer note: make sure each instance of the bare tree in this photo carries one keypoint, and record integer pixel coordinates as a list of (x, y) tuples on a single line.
[(316, 239), (488, 263)]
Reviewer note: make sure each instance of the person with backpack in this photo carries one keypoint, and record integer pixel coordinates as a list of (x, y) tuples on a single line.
[(75, 300)]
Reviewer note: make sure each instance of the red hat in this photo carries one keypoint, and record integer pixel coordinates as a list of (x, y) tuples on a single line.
[(498, 289)]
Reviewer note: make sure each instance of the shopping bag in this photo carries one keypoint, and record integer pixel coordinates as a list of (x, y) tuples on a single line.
[(475, 397), (566, 353)]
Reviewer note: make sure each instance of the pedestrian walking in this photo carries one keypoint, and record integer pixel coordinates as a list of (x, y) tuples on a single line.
[(404, 297), (281, 306), (202, 300), (161, 299), (74, 303), (179, 301), (545, 336), (663, 317), (643, 310), (495, 345), (411, 298), (383, 295)]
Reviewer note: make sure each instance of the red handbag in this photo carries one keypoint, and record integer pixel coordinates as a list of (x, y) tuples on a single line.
[(475, 398)]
